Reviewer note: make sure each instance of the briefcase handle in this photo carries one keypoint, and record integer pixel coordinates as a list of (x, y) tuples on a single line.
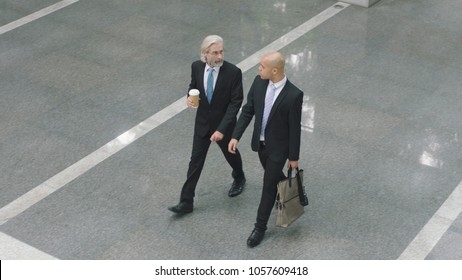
[(301, 192)]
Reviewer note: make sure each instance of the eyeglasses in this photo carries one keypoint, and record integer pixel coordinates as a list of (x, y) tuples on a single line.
[(215, 53)]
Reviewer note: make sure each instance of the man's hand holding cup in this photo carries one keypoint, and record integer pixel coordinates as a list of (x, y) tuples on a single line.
[(193, 98)]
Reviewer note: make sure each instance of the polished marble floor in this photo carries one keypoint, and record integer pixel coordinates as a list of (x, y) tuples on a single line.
[(95, 137)]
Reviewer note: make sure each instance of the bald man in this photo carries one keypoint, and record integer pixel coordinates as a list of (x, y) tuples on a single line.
[(277, 106)]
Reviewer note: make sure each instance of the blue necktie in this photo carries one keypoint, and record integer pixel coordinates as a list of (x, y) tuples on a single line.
[(210, 85), (268, 105)]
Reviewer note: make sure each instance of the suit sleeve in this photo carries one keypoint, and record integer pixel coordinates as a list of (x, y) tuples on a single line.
[(237, 96), (295, 118)]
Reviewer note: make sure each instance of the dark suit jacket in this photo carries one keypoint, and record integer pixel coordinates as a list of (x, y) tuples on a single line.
[(283, 129), (227, 99)]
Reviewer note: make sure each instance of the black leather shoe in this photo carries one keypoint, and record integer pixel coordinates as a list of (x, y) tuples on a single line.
[(237, 187), (255, 237), (182, 208)]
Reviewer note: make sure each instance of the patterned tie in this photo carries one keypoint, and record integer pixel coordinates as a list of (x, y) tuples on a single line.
[(268, 104), (210, 85)]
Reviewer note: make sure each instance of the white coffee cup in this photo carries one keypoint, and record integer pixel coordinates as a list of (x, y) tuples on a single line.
[(194, 94)]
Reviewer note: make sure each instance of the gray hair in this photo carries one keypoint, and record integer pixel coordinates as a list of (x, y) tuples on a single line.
[(207, 42)]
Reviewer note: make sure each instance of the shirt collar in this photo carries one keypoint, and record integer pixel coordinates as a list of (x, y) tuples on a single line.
[(279, 84), (207, 67)]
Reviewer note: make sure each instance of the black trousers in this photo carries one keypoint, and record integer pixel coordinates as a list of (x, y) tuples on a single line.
[(272, 175), (199, 153)]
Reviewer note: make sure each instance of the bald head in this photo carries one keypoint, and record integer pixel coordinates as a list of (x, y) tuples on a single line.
[(276, 60), (272, 66)]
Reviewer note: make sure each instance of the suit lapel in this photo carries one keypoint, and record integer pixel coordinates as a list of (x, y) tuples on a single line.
[(278, 100), (220, 77), (221, 74), (261, 97), (201, 78)]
